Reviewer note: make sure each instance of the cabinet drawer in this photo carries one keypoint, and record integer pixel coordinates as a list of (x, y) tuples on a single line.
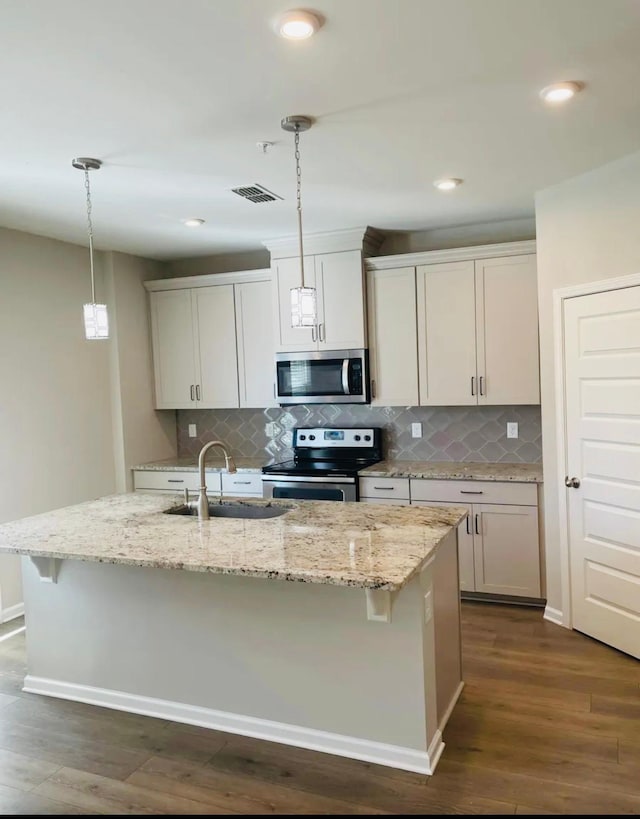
[(174, 481), (242, 484), (384, 488), (390, 501), (523, 494)]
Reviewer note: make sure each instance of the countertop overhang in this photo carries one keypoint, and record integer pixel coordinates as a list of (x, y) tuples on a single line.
[(344, 544)]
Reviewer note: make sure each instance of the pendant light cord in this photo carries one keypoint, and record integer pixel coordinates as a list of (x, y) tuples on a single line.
[(90, 230), (299, 202)]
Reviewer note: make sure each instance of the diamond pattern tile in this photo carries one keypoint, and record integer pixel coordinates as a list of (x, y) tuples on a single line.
[(449, 433)]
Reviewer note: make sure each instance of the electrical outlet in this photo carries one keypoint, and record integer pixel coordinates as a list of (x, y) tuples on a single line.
[(512, 429), (269, 430), (192, 431), (416, 430)]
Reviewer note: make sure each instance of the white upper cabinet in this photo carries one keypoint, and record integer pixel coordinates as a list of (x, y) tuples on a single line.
[(213, 342), (286, 275), (472, 321), (174, 356), (341, 316), (393, 354), (507, 330), (447, 333), (215, 334), (339, 281), (254, 322)]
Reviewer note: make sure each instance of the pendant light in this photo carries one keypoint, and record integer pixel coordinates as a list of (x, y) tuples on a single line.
[(303, 299), (96, 320)]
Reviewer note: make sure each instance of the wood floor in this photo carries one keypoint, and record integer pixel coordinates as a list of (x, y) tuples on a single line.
[(549, 722)]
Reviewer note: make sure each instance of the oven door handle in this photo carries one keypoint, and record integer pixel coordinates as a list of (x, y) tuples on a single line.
[(345, 376)]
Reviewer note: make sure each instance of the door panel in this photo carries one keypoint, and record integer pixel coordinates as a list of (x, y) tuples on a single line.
[(340, 283), (256, 360), (447, 334), (173, 351), (286, 274), (602, 392), (507, 319), (466, 566), (216, 326)]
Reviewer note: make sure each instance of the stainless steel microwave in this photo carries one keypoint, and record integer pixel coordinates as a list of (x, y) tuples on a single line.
[(323, 377)]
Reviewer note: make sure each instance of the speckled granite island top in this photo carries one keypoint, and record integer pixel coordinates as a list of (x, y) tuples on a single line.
[(213, 464), (455, 470), (343, 544)]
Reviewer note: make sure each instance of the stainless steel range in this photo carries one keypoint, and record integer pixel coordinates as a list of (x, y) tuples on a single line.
[(325, 465)]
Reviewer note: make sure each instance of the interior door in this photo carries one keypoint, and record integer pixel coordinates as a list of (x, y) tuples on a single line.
[(602, 394)]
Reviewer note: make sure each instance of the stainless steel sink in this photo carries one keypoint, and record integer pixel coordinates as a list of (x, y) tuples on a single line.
[(232, 510)]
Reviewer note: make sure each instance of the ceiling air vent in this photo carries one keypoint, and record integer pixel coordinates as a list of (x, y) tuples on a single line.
[(256, 193)]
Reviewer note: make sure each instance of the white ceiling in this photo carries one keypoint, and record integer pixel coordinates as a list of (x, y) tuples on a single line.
[(173, 95)]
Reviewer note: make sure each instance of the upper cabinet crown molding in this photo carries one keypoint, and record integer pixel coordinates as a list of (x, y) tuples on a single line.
[(208, 279), (366, 239), (456, 254)]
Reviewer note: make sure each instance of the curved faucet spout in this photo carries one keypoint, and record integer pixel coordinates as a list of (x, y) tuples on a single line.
[(230, 466)]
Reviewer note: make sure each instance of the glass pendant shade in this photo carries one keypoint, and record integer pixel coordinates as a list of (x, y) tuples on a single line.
[(303, 306), (96, 321)]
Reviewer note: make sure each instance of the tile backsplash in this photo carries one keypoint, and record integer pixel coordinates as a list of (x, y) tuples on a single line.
[(448, 433)]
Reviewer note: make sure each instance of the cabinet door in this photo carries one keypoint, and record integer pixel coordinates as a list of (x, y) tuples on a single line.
[(173, 349), (507, 320), (506, 550), (447, 334), (340, 283), (215, 320), (286, 274), (254, 328), (393, 339), (466, 564)]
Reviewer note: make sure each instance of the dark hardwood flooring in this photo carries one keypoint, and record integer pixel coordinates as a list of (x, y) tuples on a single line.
[(548, 723)]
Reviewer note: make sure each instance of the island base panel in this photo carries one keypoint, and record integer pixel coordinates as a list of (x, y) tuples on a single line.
[(290, 662)]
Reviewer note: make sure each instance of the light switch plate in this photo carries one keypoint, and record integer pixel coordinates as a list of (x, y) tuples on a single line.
[(416, 430), (192, 431), (512, 429)]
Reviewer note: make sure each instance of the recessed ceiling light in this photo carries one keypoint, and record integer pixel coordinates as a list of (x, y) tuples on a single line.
[(297, 24), (447, 184), (194, 222), (561, 91)]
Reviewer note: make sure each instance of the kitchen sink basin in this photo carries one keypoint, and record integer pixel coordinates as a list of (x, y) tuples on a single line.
[(232, 510)]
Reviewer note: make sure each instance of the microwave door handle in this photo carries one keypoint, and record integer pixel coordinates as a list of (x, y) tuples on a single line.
[(345, 376)]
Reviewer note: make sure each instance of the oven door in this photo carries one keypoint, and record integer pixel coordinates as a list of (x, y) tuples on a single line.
[(325, 377), (325, 489)]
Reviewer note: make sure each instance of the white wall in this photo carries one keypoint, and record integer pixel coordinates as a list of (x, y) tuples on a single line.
[(140, 432), (223, 263), (70, 409), (481, 233), (588, 229)]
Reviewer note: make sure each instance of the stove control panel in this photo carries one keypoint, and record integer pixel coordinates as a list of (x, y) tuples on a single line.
[(333, 437)]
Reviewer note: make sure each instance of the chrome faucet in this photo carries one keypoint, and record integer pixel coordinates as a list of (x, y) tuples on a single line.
[(203, 500)]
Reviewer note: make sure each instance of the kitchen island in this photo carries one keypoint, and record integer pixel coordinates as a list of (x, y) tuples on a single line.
[(162, 614)]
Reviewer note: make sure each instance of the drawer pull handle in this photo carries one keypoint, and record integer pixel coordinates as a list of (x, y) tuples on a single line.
[(244, 483), (175, 480), (390, 488), (472, 492)]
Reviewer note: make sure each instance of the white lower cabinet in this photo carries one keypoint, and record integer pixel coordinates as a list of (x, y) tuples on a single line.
[(242, 483), (173, 481), (498, 542)]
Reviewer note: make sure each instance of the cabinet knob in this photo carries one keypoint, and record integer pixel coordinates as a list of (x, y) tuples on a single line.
[(571, 483)]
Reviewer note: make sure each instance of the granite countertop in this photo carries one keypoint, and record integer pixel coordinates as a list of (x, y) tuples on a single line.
[(342, 544), (214, 463), (455, 470)]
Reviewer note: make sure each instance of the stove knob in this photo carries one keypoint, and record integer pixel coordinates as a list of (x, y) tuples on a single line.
[(367, 437), (303, 437), (356, 437), (312, 437)]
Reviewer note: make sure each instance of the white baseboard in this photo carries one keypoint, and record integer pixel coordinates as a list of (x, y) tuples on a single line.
[(553, 616), (394, 756), (12, 612)]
